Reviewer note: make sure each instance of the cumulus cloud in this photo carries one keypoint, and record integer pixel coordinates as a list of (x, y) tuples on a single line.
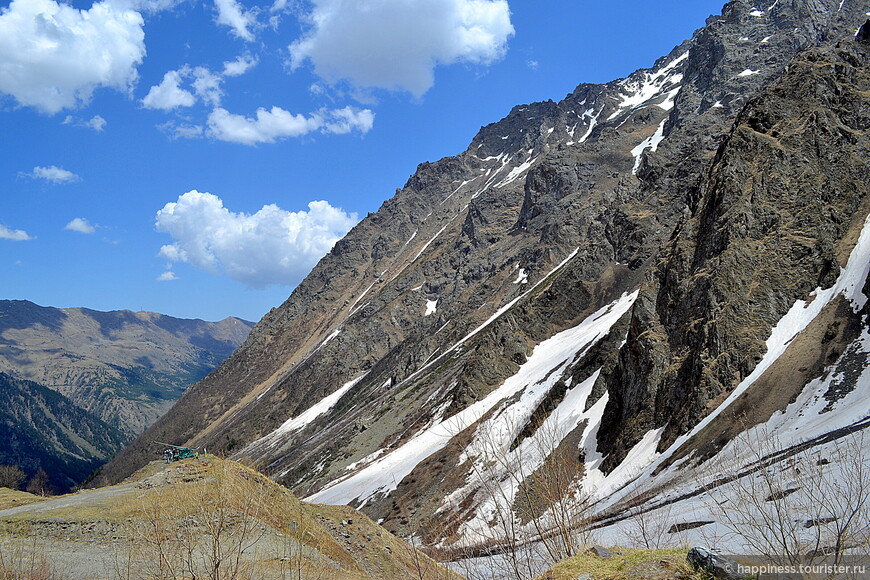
[(53, 56), (182, 130), (397, 45), (207, 85), (168, 94), (239, 66), (97, 123), (276, 123), (167, 276), (80, 225), (231, 13), (15, 235), (272, 246), (53, 174)]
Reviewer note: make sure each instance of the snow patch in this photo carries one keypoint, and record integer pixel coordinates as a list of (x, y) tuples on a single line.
[(300, 421), (638, 91), (757, 13), (431, 307), (748, 73), (522, 277), (384, 474), (651, 143), (516, 172)]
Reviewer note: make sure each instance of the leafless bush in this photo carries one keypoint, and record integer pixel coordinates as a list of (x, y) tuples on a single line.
[(11, 476), (536, 508), (20, 561), (796, 508)]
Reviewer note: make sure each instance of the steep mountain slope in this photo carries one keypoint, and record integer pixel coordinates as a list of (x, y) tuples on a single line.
[(127, 368), (43, 429), (593, 276)]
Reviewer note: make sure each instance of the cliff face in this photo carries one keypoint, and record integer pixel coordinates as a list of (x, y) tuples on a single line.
[(605, 271)]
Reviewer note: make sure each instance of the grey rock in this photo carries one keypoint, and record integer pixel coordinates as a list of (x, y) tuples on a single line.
[(601, 552), (713, 563)]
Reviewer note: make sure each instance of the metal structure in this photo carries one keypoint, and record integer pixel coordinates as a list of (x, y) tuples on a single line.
[(175, 453)]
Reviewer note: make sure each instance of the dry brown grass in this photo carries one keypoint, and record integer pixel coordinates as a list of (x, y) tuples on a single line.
[(216, 519), (626, 564)]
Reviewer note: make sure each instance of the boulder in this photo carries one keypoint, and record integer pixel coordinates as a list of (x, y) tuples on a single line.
[(713, 563)]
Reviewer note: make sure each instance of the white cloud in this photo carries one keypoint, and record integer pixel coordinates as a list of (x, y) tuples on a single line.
[(168, 94), (53, 174), (97, 123), (397, 45), (167, 276), (272, 246), (207, 86), (182, 130), (53, 56), (15, 235), (231, 13), (80, 225), (239, 66), (276, 123), (341, 121)]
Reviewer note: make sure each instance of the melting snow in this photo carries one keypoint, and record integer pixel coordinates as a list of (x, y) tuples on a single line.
[(516, 172), (360, 297), (638, 92), (651, 143), (748, 72), (522, 277), (757, 13), (296, 423), (431, 307), (461, 185), (593, 119), (423, 249), (383, 475), (332, 335)]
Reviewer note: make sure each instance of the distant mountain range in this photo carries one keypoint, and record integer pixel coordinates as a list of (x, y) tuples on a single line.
[(120, 370)]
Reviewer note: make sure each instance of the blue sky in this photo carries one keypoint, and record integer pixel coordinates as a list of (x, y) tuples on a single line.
[(197, 157)]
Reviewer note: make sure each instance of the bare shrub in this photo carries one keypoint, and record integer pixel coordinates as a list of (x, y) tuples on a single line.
[(11, 476), (798, 506)]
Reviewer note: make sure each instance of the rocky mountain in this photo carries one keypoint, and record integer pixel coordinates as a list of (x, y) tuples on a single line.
[(624, 279), (125, 368), (42, 429)]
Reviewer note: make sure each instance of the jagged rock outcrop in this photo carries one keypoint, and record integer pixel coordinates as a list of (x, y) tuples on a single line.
[(598, 273)]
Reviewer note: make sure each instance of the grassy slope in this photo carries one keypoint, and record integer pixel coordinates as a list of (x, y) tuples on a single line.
[(188, 498)]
